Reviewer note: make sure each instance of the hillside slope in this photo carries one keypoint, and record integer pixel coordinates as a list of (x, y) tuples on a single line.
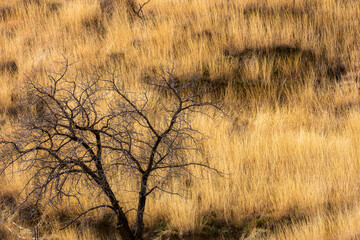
[(287, 72)]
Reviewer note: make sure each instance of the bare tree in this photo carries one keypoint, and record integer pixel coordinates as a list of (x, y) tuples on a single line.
[(88, 128)]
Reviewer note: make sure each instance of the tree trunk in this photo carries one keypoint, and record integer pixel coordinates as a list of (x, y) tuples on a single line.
[(123, 226), (141, 208), (122, 222)]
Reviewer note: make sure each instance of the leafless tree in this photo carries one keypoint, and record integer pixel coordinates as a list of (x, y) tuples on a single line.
[(88, 128)]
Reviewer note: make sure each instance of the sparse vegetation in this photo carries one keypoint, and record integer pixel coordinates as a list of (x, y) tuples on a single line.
[(287, 72)]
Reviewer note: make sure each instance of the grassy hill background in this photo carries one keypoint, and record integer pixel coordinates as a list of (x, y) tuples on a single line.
[(287, 71)]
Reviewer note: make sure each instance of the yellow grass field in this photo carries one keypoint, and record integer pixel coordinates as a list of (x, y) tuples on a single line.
[(288, 73)]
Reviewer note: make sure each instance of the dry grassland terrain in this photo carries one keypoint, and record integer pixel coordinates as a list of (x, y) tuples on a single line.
[(287, 73)]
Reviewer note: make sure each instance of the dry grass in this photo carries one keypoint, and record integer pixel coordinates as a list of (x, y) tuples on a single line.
[(289, 70)]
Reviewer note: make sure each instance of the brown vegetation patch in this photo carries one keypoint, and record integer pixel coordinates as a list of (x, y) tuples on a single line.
[(30, 2), (239, 126), (28, 214), (283, 58), (271, 11), (213, 226), (283, 75), (12, 111), (102, 226), (289, 62), (342, 106), (6, 12), (280, 51), (62, 216), (54, 6), (8, 66), (254, 227), (216, 87), (205, 34), (16, 107), (336, 70), (95, 24), (107, 7), (219, 87), (116, 57), (2, 123), (7, 199), (290, 65)]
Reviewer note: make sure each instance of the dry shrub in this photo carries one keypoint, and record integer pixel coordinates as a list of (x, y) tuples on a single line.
[(14, 107), (7, 199), (60, 215), (13, 111), (94, 24), (57, 216), (107, 7), (6, 12), (204, 34), (9, 66), (54, 6), (287, 64), (2, 122), (28, 214), (116, 57)]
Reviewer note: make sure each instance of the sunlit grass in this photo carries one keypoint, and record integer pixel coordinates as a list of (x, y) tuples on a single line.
[(289, 145)]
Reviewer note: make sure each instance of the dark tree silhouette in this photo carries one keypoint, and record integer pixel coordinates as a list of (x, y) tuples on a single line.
[(88, 128)]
